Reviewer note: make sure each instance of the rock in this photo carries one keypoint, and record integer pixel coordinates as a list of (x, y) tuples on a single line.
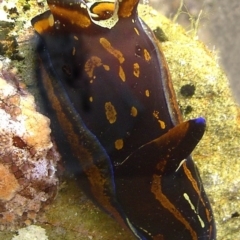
[(28, 158)]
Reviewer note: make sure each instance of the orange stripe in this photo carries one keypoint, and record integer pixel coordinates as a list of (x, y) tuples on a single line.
[(78, 17), (196, 188), (126, 8), (171, 97), (94, 175), (113, 51), (102, 7), (157, 191)]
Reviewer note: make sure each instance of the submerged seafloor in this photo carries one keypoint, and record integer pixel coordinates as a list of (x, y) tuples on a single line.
[(202, 89)]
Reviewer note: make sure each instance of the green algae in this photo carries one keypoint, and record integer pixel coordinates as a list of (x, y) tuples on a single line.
[(74, 215)]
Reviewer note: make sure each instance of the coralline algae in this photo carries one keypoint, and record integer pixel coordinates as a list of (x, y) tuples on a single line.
[(28, 158)]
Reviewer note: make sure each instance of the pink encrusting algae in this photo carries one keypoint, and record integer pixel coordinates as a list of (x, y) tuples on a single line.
[(28, 158)]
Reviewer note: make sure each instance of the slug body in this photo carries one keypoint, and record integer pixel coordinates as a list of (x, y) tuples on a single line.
[(116, 121)]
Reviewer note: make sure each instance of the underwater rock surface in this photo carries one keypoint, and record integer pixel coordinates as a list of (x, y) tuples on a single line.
[(28, 158)]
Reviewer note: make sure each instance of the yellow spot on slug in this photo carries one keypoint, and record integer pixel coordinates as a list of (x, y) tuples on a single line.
[(110, 112), (147, 55), (75, 37), (137, 32), (51, 20), (162, 124), (155, 114), (106, 67), (119, 144), (90, 99), (147, 93), (122, 74), (136, 70), (91, 63), (116, 53), (134, 112)]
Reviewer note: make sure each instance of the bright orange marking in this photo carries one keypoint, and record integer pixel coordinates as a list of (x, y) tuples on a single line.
[(115, 52), (126, 8), (122, 74), (147, 93), (136, 70), (110, 112), (91, 64), (119, 144), (43, 24), (172, 96), (106, 67), (162, 124), (78, 17), (193, 181), (137, 32), (157, 191), (147, 55), (104, 9), (134, 112), (196, 188), (155, 114)]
